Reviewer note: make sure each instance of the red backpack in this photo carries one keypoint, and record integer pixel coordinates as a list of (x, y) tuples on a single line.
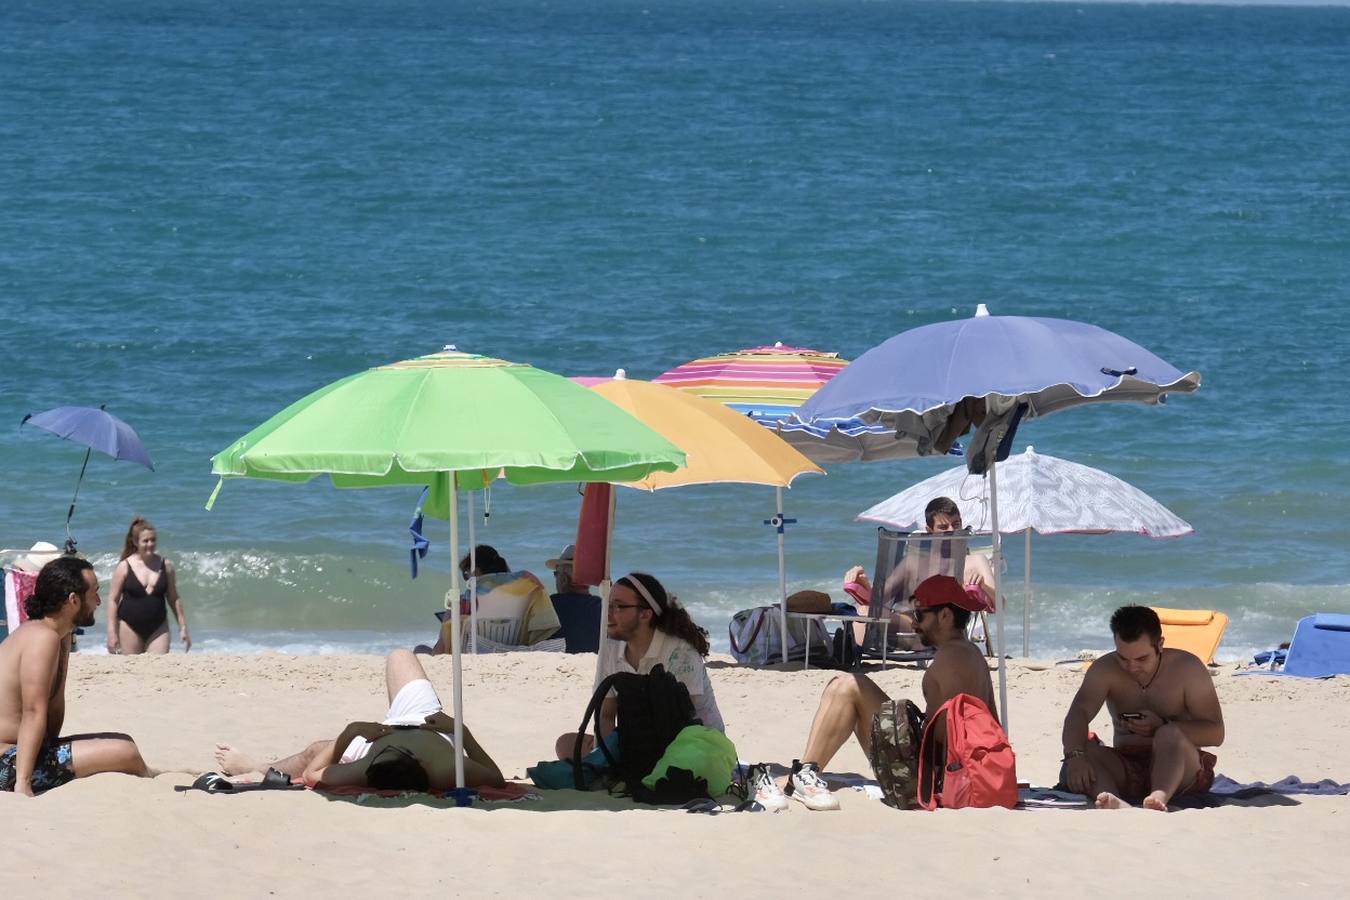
[(980, 771)]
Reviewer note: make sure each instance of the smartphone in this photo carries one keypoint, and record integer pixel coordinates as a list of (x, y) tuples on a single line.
[(1131, 715)]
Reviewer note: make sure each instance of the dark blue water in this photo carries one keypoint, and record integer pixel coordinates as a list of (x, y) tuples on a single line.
[(209, 212)]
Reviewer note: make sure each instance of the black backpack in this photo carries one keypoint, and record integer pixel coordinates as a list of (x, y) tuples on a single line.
[(653, 709)]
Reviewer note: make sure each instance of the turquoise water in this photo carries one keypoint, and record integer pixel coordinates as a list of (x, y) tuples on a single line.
[(209, 212)]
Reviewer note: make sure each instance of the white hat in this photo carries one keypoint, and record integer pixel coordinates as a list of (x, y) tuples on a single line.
[(564, 558), (37, 556)]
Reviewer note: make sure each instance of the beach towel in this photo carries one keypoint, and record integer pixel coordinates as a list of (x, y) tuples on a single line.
[(18, 588)]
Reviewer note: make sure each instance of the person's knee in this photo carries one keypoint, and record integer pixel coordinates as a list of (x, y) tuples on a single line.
[(1170, 738), (842, 688), (399, 658)]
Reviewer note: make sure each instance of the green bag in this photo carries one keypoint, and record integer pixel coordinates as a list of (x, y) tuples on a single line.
[(698, 758)]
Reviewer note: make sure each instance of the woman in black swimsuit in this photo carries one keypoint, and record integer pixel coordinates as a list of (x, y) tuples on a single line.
[(138, 620)]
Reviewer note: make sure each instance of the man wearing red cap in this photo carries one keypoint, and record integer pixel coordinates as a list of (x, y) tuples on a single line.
[(942, 610)]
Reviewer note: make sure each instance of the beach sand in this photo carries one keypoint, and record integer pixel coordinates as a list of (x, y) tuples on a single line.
[(117, 836)]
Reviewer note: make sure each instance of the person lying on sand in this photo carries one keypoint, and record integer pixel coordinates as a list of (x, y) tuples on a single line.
[(33, 660), (412, 749), (1164, 708), (942, 609)]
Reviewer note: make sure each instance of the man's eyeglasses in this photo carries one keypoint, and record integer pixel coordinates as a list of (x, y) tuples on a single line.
[(625, 606)]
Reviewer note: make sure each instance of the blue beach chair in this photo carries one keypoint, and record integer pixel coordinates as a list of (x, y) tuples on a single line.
[(1321, 647)]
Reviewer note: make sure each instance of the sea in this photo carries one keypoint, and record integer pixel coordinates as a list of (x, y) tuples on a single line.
[(209, 210)]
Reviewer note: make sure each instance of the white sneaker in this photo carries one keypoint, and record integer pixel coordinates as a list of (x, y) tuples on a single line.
[(808, 788), (764, 790)]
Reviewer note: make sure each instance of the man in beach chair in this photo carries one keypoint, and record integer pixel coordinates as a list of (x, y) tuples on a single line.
[(33, 660), (942, 610), (411, 749), (941, 517), (1164, 710)]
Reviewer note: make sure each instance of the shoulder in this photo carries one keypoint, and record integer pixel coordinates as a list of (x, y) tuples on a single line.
[(1185, 665), (168, 566), (33, 638)]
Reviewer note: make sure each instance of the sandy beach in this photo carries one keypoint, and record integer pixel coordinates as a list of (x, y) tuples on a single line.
[(119, 836)]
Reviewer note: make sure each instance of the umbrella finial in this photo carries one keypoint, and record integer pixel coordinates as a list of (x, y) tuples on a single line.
[(620, 375), (981, 310), (448, 347), (778, 345)]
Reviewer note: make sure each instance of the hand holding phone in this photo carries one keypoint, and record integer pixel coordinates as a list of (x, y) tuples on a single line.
[(1132, 716)]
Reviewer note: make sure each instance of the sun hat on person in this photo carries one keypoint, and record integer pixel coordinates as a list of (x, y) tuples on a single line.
[(37, 556), (941, 590), (564, 558)]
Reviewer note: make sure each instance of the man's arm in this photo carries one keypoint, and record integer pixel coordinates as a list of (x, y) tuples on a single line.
[(1203, 725), (933, 693), (609, 715), (37, 668), (1078, 773), (56, 705), (1085, 705), (322, 761)]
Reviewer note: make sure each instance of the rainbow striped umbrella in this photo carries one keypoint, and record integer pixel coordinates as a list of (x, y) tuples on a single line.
[(768, 384)]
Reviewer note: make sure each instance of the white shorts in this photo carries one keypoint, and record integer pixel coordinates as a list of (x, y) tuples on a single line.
[(411, 705)]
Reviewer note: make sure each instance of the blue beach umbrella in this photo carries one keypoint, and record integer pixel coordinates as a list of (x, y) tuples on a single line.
[(932, 384), (95, 429)]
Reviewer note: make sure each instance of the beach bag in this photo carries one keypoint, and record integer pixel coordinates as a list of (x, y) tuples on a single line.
[(980, 769), (652, 710), (897, 730), (756, 637), (698, 763)]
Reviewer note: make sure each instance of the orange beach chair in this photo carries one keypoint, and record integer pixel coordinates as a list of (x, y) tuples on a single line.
[(1196, 631)]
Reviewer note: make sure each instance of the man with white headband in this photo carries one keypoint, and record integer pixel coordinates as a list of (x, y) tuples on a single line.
[(646, 627)]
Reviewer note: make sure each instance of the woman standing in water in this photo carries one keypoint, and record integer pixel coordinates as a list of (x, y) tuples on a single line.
[(138, 620)]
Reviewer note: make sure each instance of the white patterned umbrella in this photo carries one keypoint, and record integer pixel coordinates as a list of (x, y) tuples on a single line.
[(1037, 493)]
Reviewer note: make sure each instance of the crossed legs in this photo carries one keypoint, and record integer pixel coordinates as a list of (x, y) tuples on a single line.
[(1176, 762)]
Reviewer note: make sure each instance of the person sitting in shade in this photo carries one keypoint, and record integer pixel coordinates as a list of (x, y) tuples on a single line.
[(411, 749), (494, 575), (577, 608), (941, 517), (942, 609), (647, 627)]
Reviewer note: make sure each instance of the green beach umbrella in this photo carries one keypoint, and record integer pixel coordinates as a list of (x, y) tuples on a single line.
[(449, 420)]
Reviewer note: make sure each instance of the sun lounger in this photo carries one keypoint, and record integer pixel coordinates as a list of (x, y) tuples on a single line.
[(1321, 647), (1197, 631)]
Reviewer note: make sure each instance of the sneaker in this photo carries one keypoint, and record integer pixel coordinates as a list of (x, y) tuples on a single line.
[(763, 789), (808, 788)]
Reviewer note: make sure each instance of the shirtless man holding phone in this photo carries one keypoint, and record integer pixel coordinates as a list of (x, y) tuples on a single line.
[(1164, 708)]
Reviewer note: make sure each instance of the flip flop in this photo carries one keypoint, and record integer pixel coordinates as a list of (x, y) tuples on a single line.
[(211, 782)]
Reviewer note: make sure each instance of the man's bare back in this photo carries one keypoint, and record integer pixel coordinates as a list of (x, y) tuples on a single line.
[(958, 667), (33, 644)]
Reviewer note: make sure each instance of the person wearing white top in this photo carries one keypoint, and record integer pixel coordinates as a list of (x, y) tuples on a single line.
[(646, 627)]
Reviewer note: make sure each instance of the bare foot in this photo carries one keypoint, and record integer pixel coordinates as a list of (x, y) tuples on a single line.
[(235, 762), (1156, 800), (1110, 801)]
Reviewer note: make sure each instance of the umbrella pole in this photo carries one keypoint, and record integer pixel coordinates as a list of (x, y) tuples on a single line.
[(456, 655), (1026, 594), (473, 581), (782, 578), (998, 596), (70, 541), (606, 583)]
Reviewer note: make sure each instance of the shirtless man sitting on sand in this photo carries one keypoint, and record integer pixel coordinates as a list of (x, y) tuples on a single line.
[(1164, 709), (406, 758), (33, 660), (942, 609)]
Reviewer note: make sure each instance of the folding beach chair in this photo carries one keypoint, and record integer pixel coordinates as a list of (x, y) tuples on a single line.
[(1197, 631), (1321, 647), (904, 560)]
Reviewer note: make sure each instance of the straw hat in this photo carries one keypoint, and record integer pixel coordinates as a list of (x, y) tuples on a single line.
[(37, 556)]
